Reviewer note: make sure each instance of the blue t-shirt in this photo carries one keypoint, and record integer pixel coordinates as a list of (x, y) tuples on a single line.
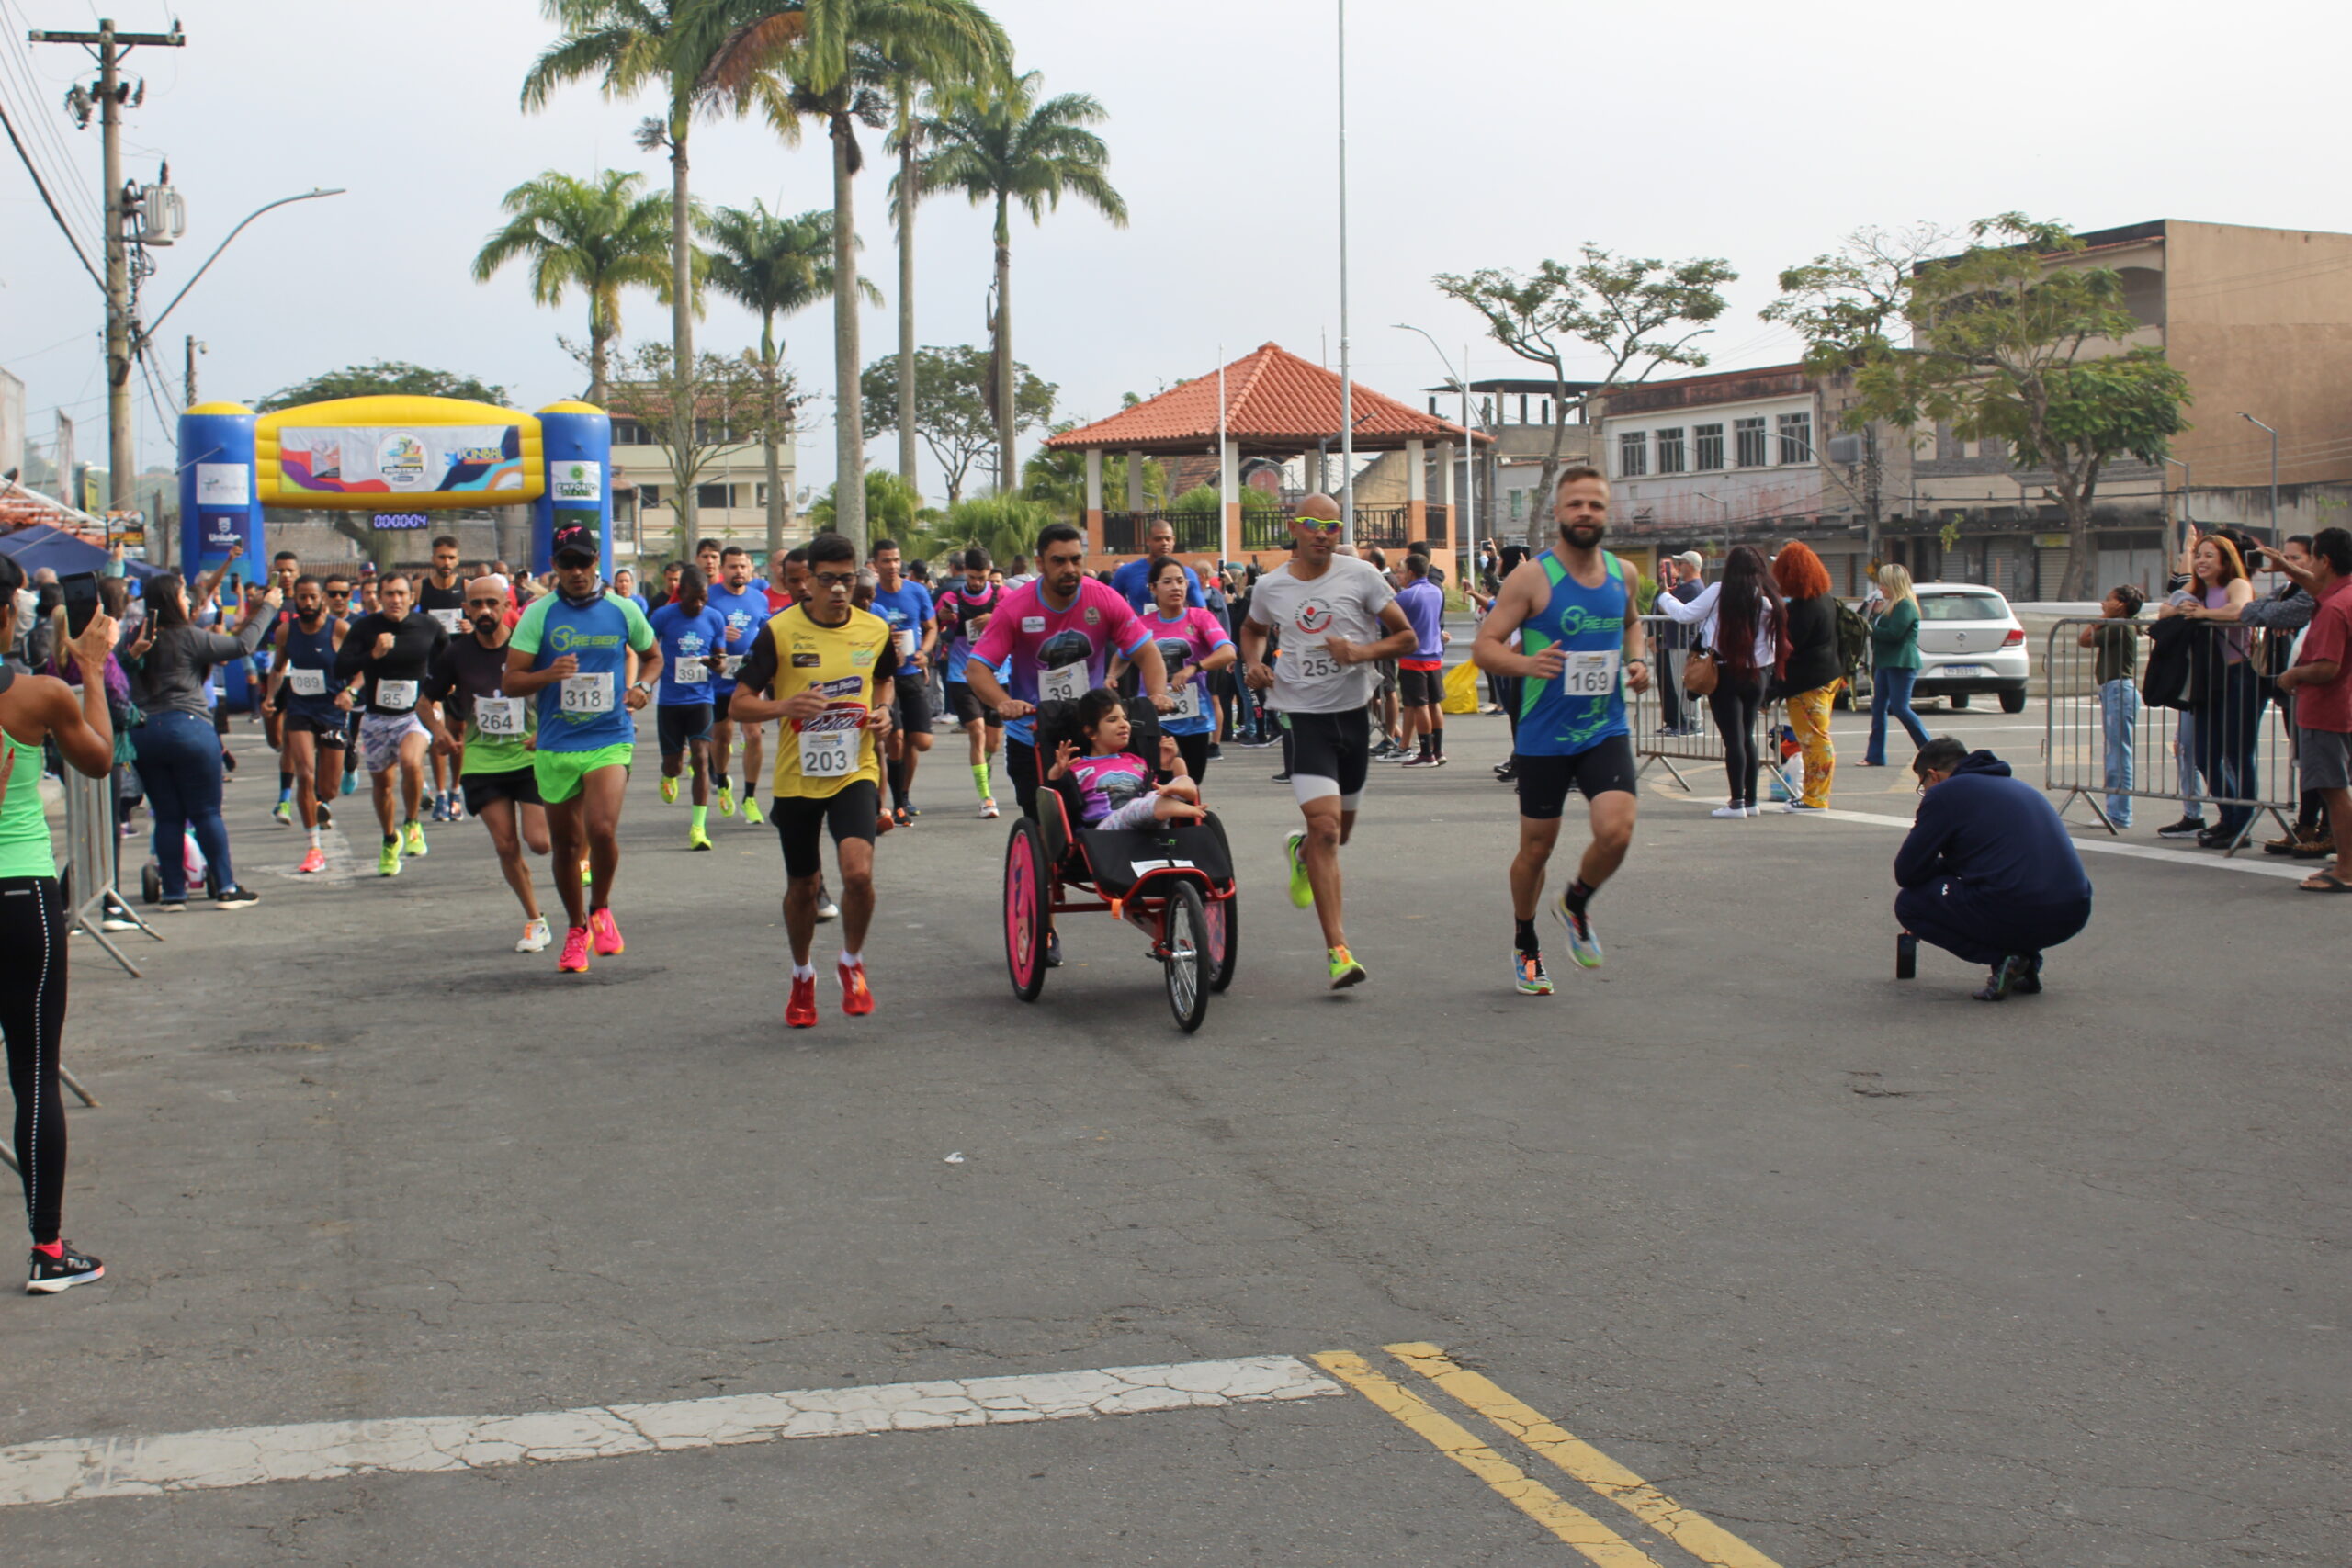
[(1423, 602), (697, 638), (1132, 582), (745, 613), (588, 710), (1584, 704), (904, 609)]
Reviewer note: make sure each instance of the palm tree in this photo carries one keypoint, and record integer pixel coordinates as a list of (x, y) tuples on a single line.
[(906, 139), (831, 61), (628, 45), (1002, 145), (600, 235), (775, 265)]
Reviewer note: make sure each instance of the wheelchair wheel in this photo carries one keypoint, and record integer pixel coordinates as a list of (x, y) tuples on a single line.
[(1027, 900), (1223, 917), (1184, 936)]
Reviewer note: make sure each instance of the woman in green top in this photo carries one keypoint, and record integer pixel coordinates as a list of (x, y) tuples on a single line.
[(1895, 663), (33, 709)]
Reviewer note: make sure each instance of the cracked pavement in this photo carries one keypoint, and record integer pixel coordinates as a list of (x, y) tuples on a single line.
[(1865, 1273)]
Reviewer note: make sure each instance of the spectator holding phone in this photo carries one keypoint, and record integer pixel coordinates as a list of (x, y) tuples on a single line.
[(2321, 683)]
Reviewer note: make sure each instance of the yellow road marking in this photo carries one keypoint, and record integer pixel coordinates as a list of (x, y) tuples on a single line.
[(1700, 1537), (1598, 1543)]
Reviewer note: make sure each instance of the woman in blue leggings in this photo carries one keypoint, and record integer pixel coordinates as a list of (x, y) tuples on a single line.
[(1895, 663)]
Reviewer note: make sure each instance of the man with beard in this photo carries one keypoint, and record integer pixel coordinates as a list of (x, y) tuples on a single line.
[(1581, 645), (468, 684), (313, 710), (394, 649)]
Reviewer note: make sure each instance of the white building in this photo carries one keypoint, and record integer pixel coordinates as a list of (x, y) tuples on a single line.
[(730, 496)]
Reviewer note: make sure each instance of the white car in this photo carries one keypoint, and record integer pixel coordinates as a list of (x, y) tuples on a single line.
[(1970, 641)]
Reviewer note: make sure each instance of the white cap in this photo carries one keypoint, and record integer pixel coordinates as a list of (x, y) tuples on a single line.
[(1692, 560)]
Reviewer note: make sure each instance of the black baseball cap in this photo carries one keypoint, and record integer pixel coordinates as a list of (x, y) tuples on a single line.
[(576, 539)]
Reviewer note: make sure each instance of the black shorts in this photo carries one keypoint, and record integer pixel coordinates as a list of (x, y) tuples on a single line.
[(1543, 780), (719, 701), (850, 812), (1332, 746), (521, 785), (965, 704), (911, 701), (332, 729), (1387, 684), (677, 724), (1421, 688)]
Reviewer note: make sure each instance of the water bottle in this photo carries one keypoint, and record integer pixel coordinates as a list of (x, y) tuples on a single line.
[(1906, 956)]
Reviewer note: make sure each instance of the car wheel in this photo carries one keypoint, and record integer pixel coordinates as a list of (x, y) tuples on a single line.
[(1957, 700), (2013, 702)]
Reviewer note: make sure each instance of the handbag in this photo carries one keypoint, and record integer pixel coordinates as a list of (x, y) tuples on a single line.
[(1700, 673)]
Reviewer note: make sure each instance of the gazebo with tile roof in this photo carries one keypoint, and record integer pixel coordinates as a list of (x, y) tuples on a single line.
[(1276, 405)]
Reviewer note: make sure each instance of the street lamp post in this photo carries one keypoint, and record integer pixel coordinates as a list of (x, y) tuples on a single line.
[(148, 331), (2188, 500), (2273, 471), (1347, 383), (1469, 447)]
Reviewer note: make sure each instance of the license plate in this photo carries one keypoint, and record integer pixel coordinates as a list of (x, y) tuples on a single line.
[(1963, 671)]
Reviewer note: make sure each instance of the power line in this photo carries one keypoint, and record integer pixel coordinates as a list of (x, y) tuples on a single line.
[(48, 201), (73, 188), (45, 128)]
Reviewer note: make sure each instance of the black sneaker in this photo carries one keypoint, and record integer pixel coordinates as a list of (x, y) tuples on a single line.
[(2027, 982), (2003, 979), (1216, 752), (2186, 828), (67, 1269), (236, 897), (1278, 778), (1052, 950)]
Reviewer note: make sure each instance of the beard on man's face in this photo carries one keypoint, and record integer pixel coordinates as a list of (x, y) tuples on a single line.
[(1584, 536)]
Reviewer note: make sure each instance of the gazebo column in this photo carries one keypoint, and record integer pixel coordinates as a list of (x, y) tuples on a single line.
[(1094, 501), (1416, 493), (1453, 504), (1228, 490), (1135, 481)]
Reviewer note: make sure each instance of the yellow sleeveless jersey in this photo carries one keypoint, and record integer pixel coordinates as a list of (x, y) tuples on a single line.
[(836, 748)]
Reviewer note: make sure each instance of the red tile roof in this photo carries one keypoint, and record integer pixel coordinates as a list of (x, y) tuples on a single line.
[(1273, 401), (21, 508)]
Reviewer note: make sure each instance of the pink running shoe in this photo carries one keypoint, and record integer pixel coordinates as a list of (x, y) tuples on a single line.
[(316, 860), (608, 933), (575, 951)]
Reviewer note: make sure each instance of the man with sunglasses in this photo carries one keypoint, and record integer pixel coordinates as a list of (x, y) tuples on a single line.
[(827, 669), (493, 755), (1338, 617), (572, 650), (392, 651)]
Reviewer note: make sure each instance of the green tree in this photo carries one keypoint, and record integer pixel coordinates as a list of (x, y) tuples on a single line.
[(952, 414), (627, 46), (1004, 525), (2013, 339), (1627, 310), (835, 60), (384, 378), (1058, 478), (728, 413), (599, 235), (774, 265), (892, 508), (998, 143)]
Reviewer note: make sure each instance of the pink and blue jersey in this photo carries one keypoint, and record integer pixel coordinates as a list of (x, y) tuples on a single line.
[(1107, 783), (1186, 641), (1056, 654)]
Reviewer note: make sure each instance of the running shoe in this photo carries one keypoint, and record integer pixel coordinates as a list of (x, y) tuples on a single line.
[(314, 863), (62, 1272), (2027, 981), (607, 932), (727, 800), (1345, 970), (2002, 980), (669, 792), (536, 937), (800, 1012), (587, 873), (1528, 973), (179, 905), (858, 998), (825, 909), (326, 814), (1583, 945), (1729, 811), (440, 812), (575, 951), (1799, 808), (988, 811), (696, 839), (413, 837), (1418, 759), (388, 863), (901, 816), (283, 813), (1052, 950), (235, 898), (2186, 828), (911, 811), (457, 807), (350, 783), (1302, 892), (752, 810)]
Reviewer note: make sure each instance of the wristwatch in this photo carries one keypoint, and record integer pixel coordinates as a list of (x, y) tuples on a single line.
[(640, 686)]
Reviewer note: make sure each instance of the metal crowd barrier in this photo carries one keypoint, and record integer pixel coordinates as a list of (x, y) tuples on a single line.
[(88, 869), (2234, 750), (1695, 739)]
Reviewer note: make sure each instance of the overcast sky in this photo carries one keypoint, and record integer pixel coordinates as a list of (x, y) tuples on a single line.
[(1482, 133)]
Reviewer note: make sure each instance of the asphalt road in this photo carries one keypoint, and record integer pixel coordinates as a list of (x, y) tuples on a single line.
[(1862, 1272)]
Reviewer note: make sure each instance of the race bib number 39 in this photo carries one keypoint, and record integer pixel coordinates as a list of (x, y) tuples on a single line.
[(1064, 683), (307, 682), (587, 693), (1591, 674), (396, 696), (499, 716), (828, 754)]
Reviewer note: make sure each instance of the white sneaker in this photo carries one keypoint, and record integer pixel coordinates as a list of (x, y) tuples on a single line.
[(536, 937), (1728, 811)]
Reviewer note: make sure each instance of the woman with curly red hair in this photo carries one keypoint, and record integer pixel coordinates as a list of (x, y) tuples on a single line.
[(1809, 685)]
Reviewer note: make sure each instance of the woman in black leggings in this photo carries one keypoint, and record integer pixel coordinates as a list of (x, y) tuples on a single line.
[(1742, 620), (34, 709)]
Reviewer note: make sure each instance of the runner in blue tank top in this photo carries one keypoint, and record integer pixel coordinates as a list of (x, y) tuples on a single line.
[(314, 714), (1582, 646)]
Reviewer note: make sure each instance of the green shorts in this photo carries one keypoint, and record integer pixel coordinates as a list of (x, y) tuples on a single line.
[(560, 772)]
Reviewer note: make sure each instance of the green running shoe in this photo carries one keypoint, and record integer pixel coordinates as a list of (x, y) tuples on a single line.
[(1302, 892), (1345, 970), (669, 792), (727, 800), (752, 810), (1583, 945), (414, 835), (388, 863)]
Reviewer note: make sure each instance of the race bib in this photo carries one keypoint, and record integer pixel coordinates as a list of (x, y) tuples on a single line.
[(729, 663), (499, 716), (690, 672), (1590, 674), (307, 682), (452, 621), (828, 754), (904, 641), (592, 693), (1313, 662), (1065, 684), (396, 696), (1188, 701)]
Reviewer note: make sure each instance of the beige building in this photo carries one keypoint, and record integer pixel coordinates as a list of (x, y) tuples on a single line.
[(731, 495)]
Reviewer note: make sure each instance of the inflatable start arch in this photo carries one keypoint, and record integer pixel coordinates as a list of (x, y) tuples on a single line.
[(398, 458)]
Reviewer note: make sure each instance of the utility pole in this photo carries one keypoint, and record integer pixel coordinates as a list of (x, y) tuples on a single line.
[(187, 390), (110, 47)]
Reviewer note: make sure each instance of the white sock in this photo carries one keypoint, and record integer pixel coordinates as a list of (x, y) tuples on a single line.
[(804, 971), (314, 837), (851, 960)]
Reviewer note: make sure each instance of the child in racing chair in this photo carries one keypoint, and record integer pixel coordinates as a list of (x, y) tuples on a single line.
[(1114, 787)]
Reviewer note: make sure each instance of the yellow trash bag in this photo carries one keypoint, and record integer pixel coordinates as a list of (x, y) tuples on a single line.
[(1462, 688)]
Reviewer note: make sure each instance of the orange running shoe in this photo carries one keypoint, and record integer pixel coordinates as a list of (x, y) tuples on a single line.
[(575, 951), (858, 998), (607, 932), (316, 860), (800, 1012)]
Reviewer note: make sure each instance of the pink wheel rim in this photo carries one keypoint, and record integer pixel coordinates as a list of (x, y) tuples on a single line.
[(1021, 913)]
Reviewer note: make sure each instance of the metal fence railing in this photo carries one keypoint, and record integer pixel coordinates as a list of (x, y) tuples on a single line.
[(2199, 723), (1680, 728)]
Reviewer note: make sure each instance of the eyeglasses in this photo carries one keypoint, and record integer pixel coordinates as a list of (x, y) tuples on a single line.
[(1318, 525), (841, 581)]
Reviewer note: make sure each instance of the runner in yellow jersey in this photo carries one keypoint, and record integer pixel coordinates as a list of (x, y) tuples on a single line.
[(825, 669)]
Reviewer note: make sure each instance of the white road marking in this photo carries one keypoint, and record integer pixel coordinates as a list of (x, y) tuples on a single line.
[(75, 1469), (2108, 847)]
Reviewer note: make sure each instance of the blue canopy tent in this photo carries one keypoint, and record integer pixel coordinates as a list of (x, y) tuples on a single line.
[(39, 544)]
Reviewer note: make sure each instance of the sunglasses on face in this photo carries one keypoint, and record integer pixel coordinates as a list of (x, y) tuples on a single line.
[(1320, 526)]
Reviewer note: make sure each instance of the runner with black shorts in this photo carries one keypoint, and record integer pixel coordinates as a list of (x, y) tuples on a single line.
[(906, 608), (468, 684), (1337, 618), (745, 609), (1583, 645), (964, 609), (394, 649), (313, 710), (691, 634), (825, 669), (441, 596)]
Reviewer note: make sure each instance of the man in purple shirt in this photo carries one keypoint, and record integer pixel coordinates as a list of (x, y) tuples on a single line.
[(1421, 673)]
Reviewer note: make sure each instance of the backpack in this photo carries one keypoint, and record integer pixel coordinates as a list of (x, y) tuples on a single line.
[(1853, 639)]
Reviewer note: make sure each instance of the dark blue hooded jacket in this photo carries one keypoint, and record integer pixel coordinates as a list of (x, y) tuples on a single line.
[(1998, 835)]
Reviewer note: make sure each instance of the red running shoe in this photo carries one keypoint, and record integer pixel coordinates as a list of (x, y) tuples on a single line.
[(316, 860), (575, 951), (800, 1012), (607, 932), (857, 998)]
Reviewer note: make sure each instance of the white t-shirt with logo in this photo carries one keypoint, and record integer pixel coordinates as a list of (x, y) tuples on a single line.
[(1345, 602)]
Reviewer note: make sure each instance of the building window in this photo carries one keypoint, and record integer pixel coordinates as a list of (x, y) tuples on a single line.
[(628, 432), (1751, 433), (1669, 451), (1796, 438), (649, 495), (1633, 454), (713, 496), (1708, 440)]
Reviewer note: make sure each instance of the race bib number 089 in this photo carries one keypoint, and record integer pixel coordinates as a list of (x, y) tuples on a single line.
[(307, 682)]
